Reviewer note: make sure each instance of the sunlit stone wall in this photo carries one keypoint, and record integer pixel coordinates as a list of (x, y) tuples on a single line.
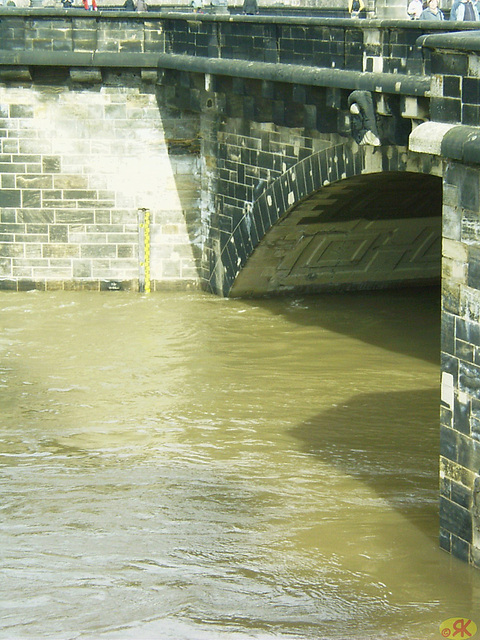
[(77, 163)]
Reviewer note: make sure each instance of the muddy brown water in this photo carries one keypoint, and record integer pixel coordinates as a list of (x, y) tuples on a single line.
[(180, 466)]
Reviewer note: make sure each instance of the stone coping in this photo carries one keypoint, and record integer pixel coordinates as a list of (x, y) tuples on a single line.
[(458, 40), (298, 74), (428, 136), (453, 142), (96, 59), (109, 14), (463, 144)]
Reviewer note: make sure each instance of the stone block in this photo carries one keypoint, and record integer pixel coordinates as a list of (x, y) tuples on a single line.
[(454, 273), (461, 413), (473, 261), (51, 164), (5, 267), (33, 250), (22, 111), (37, 228), (35, 216), (469, 378), (33, 146), (74, 216), (468, 452), (58, 233), (445, 540), (452, 86), (10, 198), (470, 114), (70, 182), (29, 285), (60, 251), (8, 181), (12, 228), (465, 351), (98, 251), (451, 221), (475, 425), (22, 272), (31, 198), (455, 519), (8, 249), (454, 250), (126, 251), (446, 64), (471, 90), (448, 443), (470, 229), (470, 304), (460, 549), (75, 285), (7, 284), (53, 276), (447, 110)]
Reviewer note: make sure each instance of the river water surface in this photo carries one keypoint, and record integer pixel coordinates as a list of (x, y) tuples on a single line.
[(180, 466)]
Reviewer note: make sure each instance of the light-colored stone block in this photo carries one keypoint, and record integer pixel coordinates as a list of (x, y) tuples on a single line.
[(428, 136)]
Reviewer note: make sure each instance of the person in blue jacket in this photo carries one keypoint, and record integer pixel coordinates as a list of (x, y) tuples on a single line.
[(432, 12), (464, 10)]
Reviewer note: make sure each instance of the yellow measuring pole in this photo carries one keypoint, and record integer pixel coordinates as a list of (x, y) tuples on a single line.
[(144, 250), (147, 251)]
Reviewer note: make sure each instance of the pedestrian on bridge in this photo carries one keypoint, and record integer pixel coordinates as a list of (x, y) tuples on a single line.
[(250, 7), (464, 10), (414, 9), (432, 12), (355, 7)]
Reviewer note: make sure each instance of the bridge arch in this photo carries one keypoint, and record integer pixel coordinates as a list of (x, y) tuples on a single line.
[(346, 217)]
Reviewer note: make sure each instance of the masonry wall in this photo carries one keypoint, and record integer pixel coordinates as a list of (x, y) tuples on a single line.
[(454, 107), (76, 164), (249, 156), (460, 411)]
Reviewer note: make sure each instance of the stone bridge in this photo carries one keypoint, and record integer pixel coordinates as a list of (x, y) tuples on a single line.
[(274, 155)]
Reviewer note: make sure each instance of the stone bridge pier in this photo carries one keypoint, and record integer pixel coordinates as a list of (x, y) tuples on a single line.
[(455, 106)]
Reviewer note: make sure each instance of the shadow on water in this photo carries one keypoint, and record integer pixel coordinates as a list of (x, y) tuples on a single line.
[(384, 441), (405, 320), (387, 440)]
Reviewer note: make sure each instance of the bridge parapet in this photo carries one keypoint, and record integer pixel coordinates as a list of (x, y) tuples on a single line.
[(49, 36)]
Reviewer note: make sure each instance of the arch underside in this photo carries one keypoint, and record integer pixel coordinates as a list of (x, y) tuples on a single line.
[(363, 232)]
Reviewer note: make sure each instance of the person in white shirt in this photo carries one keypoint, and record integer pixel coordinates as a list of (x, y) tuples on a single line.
[(414, 9)]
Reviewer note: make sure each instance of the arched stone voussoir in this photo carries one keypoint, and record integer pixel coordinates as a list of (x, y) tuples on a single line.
[(304, 178)]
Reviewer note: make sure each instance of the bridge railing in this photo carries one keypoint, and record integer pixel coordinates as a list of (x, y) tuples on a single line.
[(118, 38)]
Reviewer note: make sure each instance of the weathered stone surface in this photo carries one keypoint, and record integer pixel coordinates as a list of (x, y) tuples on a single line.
[(110, 149)]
